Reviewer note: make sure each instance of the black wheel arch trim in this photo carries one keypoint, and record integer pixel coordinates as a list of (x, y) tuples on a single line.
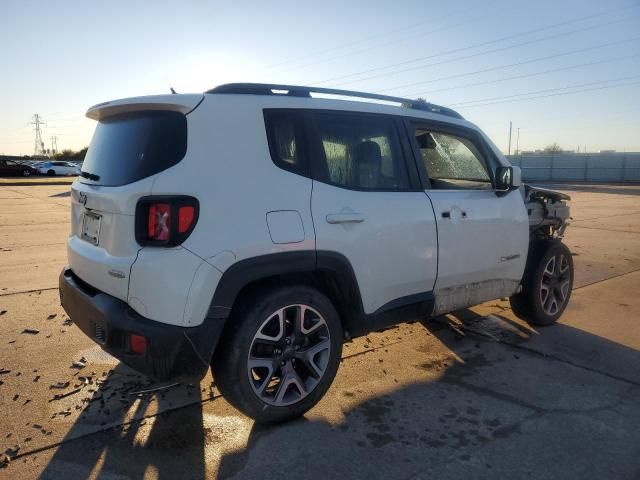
[(347, 292), (250, 270)]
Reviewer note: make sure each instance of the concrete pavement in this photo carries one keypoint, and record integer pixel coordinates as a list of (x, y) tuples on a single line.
[(478, 393)]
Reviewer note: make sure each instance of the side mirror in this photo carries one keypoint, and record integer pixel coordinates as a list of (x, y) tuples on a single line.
[(508, 178)]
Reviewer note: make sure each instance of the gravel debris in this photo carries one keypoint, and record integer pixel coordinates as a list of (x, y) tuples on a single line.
[(31, 331), (154, 389), (59, 385), (59, 396), (80, 364)]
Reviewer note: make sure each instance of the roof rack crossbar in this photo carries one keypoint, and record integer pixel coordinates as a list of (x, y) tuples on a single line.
[(302, 91)]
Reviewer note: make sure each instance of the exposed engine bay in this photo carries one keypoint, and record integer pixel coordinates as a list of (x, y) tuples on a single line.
[(548, 212)]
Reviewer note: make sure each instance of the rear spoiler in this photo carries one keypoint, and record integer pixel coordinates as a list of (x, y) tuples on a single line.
[(183, 103)]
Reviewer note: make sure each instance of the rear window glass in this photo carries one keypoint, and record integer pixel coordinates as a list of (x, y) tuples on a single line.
[(284, 133), (129, 147)]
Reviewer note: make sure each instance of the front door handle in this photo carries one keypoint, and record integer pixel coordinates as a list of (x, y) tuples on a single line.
[(350, 217), (448, 214)]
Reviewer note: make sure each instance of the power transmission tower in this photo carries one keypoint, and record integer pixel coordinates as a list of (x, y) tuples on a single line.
[(38, 149), (54, 144)]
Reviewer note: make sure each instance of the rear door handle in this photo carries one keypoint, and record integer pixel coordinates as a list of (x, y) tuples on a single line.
[(350, 217)]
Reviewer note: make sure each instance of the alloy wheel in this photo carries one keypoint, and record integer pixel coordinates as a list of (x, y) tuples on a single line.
[(554, 284), (289, 355)]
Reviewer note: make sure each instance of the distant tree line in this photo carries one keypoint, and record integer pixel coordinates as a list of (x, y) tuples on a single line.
[(68, 154), (553, 148)]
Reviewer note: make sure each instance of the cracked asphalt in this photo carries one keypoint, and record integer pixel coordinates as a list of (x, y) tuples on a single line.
[(475, 394)]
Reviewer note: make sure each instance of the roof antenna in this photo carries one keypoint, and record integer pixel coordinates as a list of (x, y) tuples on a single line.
[(172, 90)]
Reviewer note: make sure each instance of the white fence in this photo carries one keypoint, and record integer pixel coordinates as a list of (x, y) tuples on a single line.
[(590, 167)]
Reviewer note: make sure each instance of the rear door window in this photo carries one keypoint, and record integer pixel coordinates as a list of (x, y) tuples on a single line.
[(360, 152), (129, 147)]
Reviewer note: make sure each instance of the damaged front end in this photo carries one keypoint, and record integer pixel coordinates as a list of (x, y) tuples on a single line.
[(548, 212)]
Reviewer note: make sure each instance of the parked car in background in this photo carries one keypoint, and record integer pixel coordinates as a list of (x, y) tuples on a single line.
[(59, 168), (9, 167)]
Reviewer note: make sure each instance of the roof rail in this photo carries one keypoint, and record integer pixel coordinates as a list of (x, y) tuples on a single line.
[(301, 91)]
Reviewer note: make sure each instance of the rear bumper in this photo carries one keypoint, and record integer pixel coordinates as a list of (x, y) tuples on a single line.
[(173, 352)]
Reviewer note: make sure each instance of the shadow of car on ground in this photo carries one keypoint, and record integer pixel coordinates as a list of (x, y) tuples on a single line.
[(494, 411)]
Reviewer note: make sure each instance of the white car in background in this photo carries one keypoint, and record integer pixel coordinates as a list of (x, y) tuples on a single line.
[(59, 168)]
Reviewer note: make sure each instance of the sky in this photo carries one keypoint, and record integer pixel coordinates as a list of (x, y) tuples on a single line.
[(564, 71)]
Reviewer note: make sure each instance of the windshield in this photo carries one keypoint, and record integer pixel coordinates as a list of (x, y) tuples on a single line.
[(129, 147)]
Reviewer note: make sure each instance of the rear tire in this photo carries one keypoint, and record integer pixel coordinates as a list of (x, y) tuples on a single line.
[(51, 173), (546, 284), (279, 353), (26, 172)]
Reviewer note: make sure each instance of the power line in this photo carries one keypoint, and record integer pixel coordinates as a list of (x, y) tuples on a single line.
[(536, 120), (528, 42), (367, 49), (479, 54), (544, 91), (66, 119), (338, 47), (550, 95), (516, 64), (489, 42), (580, 126), (524, 75), (356, 42)]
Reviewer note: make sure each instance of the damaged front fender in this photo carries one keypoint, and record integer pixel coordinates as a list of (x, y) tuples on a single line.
[(549, 214)]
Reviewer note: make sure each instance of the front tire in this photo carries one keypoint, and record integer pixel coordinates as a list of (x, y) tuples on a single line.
[(51, 173), (26, 172), (546, 285), (279, 354)]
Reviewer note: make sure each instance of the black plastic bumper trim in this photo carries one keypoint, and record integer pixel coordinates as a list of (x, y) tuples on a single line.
[(173, 352)]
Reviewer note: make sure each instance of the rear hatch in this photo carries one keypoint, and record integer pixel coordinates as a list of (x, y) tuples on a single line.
[(135, 140)]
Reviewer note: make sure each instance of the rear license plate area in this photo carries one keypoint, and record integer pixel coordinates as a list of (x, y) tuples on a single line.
[(91, 227)]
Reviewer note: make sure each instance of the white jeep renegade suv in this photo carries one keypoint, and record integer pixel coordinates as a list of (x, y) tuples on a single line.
[(253, 228)]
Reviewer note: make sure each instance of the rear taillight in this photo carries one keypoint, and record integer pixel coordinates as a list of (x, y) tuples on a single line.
[(159, 221), (165, 221), (185, 218)]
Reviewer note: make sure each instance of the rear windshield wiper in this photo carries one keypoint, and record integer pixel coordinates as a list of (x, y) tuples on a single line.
[(90, 176)]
